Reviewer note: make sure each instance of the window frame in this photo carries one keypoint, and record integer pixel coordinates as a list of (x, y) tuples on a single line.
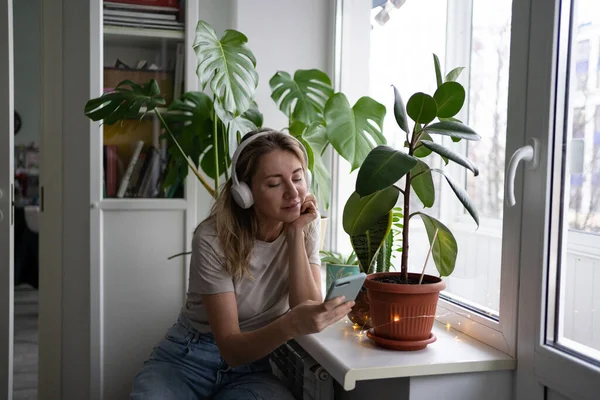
[(500, 333)]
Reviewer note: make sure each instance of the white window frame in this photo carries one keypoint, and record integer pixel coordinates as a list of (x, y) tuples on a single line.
[(541, 364), (353, 59)]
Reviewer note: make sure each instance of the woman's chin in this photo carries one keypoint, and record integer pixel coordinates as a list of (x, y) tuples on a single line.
[(288, 217)]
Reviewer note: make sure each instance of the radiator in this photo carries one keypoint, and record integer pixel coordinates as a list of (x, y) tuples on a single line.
[(303, 376)]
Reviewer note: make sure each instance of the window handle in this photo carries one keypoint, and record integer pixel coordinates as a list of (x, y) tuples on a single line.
[(525, 153)]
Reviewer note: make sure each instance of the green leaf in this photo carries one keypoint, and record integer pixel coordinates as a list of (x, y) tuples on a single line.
[(453, 129), (462, 195), (360, 213), (248, 121), (230, 67), (400, 111), (450, 98), (354, 131), (457, 158), (422, 151), (438, 72), (383, 167), (124, 102), (454, 74), (367, 244), (421, 108), (302, 98), (352, 260), (316, 137), (423, 184), (384, 255), (190, 120), (296, 128), (445, 249)]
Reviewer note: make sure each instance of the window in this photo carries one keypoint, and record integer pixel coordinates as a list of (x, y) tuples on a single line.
[(574, 261), (476, 279), (475, 35), (582, 54)]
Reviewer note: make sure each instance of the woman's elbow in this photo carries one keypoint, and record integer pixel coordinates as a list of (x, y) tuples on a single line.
[(229, 355)]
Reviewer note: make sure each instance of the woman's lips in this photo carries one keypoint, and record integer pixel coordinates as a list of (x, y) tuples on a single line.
[(292, 207)]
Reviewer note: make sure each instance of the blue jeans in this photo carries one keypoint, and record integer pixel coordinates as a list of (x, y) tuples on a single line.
[(187, 364)]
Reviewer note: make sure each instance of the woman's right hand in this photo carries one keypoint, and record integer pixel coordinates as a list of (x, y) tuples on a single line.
[(312, 316)]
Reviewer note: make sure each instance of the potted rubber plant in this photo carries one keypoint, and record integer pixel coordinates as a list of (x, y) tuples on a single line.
[(403, 304)]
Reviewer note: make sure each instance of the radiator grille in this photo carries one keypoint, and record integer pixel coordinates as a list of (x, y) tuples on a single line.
[(303, 376)]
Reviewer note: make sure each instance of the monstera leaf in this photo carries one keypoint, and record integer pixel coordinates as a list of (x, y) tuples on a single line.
[(191, 121), (302, 98), (243, 124), (230, 67), (315, 136), (354, 131), (125, 101)]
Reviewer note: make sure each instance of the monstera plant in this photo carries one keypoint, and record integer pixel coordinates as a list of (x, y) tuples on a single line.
[(319, 117), (368, 214), (203, 130)]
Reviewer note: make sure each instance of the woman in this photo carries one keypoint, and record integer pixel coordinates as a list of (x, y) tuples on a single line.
[(254, 282)]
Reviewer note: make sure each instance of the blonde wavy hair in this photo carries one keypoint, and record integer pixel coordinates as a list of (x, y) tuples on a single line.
[(236, 227)]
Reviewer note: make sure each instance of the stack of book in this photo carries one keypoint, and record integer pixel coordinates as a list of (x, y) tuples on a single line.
[(157, 14)]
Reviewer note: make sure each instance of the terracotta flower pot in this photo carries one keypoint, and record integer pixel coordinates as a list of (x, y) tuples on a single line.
[(402, 315), (360, 313)]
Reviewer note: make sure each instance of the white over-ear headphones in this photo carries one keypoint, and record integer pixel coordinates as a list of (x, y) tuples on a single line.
[(240, 190)]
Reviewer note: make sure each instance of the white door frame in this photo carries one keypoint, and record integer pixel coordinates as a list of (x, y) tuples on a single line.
[(52, 210), (6, 199)]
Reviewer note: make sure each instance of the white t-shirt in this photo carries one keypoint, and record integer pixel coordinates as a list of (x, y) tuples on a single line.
[(260, 299)]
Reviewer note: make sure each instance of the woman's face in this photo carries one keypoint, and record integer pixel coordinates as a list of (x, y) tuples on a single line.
[(278, 187)]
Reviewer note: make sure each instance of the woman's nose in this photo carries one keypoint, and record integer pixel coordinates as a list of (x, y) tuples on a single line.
[(291, 190)]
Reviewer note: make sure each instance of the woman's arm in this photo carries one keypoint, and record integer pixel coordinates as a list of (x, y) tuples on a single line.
[(304, 278), (239, 348)]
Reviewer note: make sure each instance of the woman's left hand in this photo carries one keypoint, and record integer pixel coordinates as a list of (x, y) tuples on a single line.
[(308, 213)]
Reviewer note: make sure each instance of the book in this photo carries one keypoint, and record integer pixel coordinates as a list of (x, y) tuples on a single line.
[(111, 161), (127, 175), (116, 4), (136, 14)]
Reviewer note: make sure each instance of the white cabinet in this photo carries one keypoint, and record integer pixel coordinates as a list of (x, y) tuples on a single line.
[(136, 292)]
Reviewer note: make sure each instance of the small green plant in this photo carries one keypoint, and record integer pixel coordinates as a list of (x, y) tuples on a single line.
[(369, 212), (333, 257)]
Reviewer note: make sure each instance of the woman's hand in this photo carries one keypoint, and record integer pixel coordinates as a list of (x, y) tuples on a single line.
[(313, 316), (308, 213)]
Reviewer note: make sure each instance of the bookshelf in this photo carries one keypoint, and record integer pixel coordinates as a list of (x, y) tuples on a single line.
[(141, 42)]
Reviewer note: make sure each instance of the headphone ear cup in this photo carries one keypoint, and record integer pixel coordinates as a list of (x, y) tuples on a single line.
[(308, 179), (242, 195)]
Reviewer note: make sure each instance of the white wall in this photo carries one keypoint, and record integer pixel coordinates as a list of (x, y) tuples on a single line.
[(286, 35), (27, 59)]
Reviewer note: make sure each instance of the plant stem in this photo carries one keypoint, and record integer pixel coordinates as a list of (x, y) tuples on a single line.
[(190, 163), (428, 254), (216, 149), (226, 150), (404, 265), (406, 211)]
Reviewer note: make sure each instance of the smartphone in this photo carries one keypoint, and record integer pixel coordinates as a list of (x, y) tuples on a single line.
[(348, 287)]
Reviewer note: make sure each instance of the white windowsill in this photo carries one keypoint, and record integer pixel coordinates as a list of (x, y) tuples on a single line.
[(350, 357)]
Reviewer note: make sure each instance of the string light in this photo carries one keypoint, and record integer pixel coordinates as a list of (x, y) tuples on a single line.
[(361, 331)]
